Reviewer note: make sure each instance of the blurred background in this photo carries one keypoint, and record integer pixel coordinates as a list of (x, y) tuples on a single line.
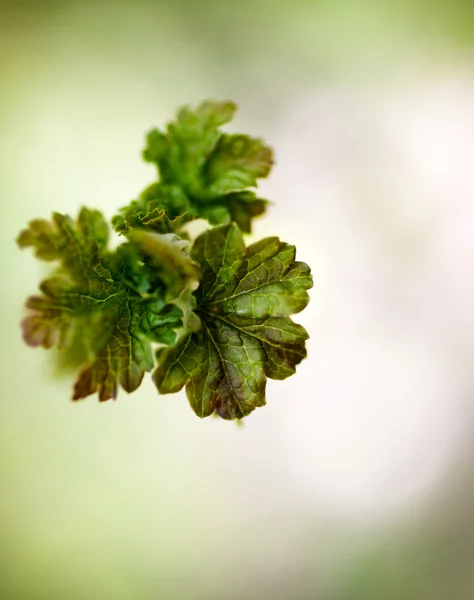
[(357, 478)]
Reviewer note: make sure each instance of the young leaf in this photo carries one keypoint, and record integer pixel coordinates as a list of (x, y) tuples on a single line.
[(119, 302), (160, 208), (244, 301), (106, 307), (181, 153), (203, 173), (239, 207), (236, 163)]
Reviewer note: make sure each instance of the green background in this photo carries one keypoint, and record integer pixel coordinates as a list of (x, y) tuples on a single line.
[(355, 481)]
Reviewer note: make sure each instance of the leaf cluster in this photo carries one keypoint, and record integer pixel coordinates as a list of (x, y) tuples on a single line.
[(218, 311)]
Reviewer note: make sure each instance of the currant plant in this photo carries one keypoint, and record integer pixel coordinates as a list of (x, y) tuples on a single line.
[(218, 311)]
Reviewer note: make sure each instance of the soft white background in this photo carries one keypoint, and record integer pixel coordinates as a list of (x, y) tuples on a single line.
[(365, 450)]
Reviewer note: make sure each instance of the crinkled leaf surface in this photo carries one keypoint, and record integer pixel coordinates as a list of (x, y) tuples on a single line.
[(107, 307), (117, 301), (203, 173), (160, 208), (244, 302)]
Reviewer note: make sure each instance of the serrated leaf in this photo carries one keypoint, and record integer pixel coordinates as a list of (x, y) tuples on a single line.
[(122, 360), (119, 302), (181, 153), (236, 163), (244, 301), (160, 209), (62, 239), (239, 207), (202, 172)]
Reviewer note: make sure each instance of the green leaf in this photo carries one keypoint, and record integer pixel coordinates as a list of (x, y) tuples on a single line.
[(221, 310), (118, 301), (166, 261), (181, 153), (244, 301), (236, 163), (203, 173), (62, 239), (239, 207), (160, 208), (122, 359)]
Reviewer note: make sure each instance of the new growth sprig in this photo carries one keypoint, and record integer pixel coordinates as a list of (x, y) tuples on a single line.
[(217, 310)]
